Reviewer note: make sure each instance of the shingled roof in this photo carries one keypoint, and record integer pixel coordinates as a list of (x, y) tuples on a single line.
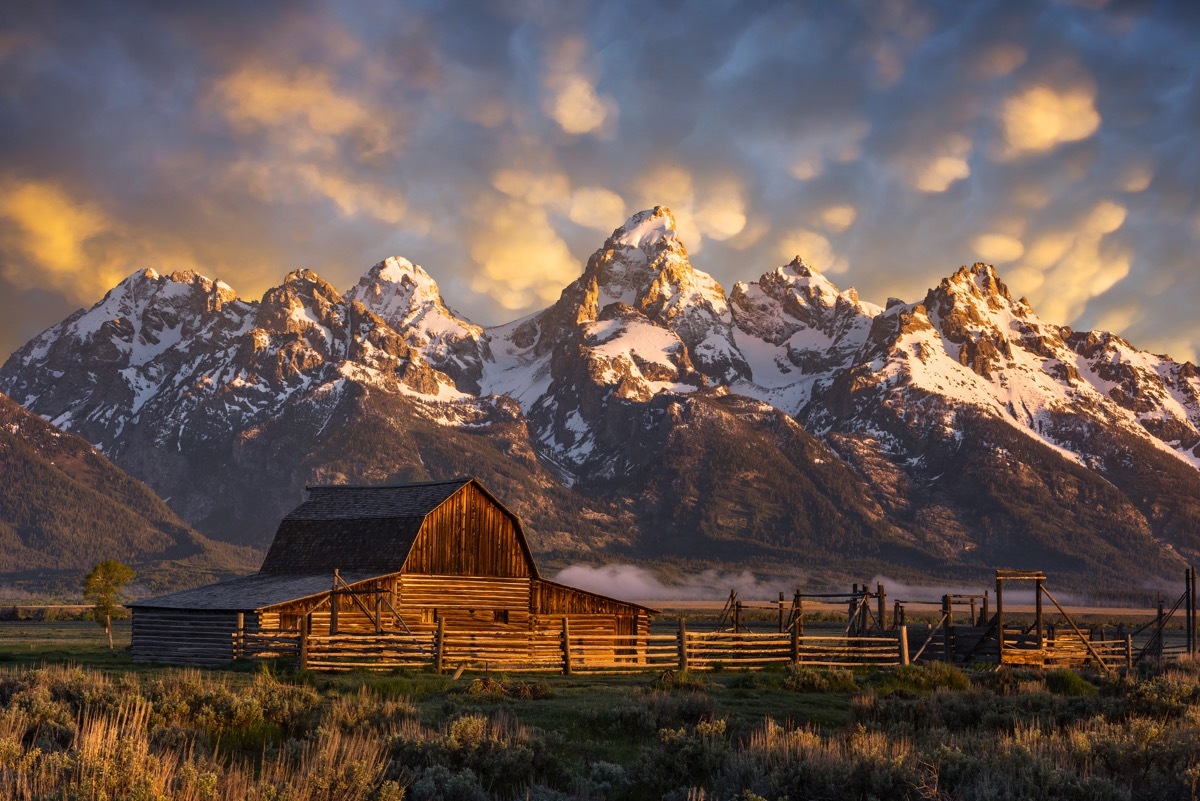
[(249, 593), (355, 528)]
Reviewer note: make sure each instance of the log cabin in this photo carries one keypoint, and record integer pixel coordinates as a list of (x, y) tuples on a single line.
[(380, 559)]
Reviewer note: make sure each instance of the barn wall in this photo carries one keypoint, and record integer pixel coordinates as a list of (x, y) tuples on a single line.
[(185, 636), (469, 535)]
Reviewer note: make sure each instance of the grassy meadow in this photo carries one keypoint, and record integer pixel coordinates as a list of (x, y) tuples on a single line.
[(77, 722)]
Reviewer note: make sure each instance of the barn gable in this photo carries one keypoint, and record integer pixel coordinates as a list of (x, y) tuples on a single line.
[(471, 534)]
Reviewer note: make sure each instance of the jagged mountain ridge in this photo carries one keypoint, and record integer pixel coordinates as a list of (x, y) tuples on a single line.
[(602, 398)]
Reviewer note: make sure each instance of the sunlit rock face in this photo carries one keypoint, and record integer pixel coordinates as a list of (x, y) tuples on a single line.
[(648, 413)]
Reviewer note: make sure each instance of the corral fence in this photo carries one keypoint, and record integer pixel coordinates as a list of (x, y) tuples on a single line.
[(565, 652), (968, 630)]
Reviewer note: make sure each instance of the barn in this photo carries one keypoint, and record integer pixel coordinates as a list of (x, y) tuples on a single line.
[(378, 559)]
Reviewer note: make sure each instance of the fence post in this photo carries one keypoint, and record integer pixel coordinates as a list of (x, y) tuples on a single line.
[(999, 619), (737, 617), (904, 645), (781, 629), (239, 643), (1129, 652), (379, 610), (1037, 594), (947, 645), (882, 606), (796, 645), (305, 630), (683, 655), (800, 612), (439, 646), (333, 605), (566, 646)]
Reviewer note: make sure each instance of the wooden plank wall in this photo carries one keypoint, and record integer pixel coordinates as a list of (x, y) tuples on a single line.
[(185, 636), (469, 535)]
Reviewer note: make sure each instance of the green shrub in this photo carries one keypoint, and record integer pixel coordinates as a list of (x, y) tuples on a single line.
[(1067, 682)]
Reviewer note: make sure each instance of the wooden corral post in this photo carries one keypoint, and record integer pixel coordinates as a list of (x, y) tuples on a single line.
[(1161, 621), (439, 646), (974, 616), (1037, 594), (566, 646), (947, 624), (999, 619), (239, 643), (683, 654), (864, 609), (799, 612), (1193, 646), (305, 631), (1129, 652), (795, 645), (781, 629), (897, 613), (852, 611), (379, 610), (986, 617), (904, 645), (737, 617), (333, 605), (881, 606)]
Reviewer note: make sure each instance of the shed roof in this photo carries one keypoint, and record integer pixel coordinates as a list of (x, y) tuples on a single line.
[(249, 593), (356, 528)]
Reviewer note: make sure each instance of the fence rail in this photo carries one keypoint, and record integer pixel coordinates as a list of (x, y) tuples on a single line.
[(583, 653)]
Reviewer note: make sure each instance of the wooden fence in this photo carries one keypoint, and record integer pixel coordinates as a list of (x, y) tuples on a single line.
[(574, 653)]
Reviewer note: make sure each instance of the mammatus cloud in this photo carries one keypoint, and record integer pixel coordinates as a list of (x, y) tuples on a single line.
[(998, 248), (523, 263), (814, 248), (1040, 118), (839, 218), (571, 97), (596, 207), (301, 111), (947, 165), (1062, 270)]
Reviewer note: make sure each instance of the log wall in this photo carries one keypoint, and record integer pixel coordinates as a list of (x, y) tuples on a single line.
[(470, 535), (185, 636)]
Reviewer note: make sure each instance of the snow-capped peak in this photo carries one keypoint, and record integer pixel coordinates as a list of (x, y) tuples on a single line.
[(646, 229)]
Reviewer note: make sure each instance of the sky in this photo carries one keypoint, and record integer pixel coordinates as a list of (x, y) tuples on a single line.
[(498, 144)]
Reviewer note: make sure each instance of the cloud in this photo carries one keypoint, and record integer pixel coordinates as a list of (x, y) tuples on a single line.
[(51, 239), (598, 208), (522, 262), (997, 248), (295, 182), (948, 164), (813, 248), (572, 100), (1065, 269), (302, 110), (1041, 118), (1001, 59), (839, 218), (721, 214), (631, 581)]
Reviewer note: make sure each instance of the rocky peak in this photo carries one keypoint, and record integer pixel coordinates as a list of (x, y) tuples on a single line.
[(646, 230)]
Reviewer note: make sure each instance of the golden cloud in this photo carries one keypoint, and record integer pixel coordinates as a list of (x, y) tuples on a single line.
[(1064, 270), (1001, 59), (998, 248), (523, 264), (572, 100), (947, 165), (813, 248), (283, 181), (722, 214), (54, 240), (536, 188), (304, 111), (839, 218), (598, 208), (1041, 118)]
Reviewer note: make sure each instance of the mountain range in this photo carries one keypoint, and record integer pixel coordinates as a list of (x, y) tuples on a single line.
[(649, 415)]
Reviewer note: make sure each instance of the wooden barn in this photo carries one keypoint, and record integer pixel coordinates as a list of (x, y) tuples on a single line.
[(374, 560)]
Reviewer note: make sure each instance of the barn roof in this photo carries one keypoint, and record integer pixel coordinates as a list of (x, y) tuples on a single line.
[(356, 528), (249, 593)]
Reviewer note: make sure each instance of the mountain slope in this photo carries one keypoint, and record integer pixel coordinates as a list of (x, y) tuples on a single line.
[(646, 415), (64, 508)]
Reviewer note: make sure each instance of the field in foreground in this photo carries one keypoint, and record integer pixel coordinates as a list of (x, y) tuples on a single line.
[(105, 729)]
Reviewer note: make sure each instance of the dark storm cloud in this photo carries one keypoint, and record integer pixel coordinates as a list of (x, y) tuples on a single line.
[(488, 141)]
